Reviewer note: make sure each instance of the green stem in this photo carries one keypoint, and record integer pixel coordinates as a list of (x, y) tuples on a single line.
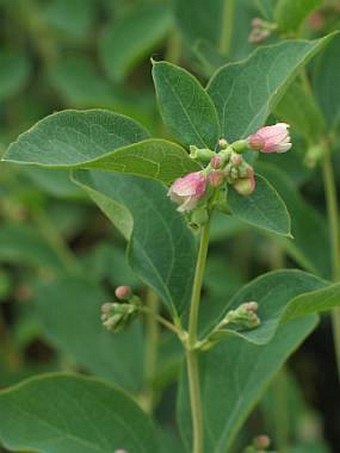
[(174, 47), (227, 26), (191, 353), (332, 212), (151, 350)]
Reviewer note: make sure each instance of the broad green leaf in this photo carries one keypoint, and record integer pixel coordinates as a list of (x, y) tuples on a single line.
[(234, 376), (71, 137), (24, 245), (310, 246), (132, 38), (161, 247), (289, 14), (277, 294), (154, 158), (100, 139), (69, 310), (300, 110), (324, 299), (79, 83), (326, 81), (71, 18), (185, 107), (15, 70), (72, 414), (264, 208), (245, 93)]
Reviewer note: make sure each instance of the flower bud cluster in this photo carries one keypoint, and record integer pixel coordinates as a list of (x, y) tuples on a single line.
[(261, 30), (226, 166), (245, 316), (117, 316)]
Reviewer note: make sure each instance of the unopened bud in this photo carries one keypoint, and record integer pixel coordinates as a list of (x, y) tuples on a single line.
[(244, 316), (222, 143), (236, 159), (261, 442), (118, 316), (245, 186), (216, 178), (123, 292), (216, 162)]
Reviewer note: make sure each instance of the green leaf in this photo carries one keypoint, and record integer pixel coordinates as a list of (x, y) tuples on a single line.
[(277, 294), (72, 19), (245, 93), (154, 158), (71, 137), (264, 208), (326, 82), (322, 300), (203, 22), (15, 70), (131, 39), (310, 246), (79, 83), (234, 376), (161, 247), (69, 310), (185, 107), (100, 139), (300, 110), (72, 414), (24, 245), (289, 14)]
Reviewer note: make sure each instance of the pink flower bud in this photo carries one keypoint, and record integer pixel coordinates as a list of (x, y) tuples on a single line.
[(215, 162), (187, 191), (245, 186), (271, 139), (123, 292), (216, 178)]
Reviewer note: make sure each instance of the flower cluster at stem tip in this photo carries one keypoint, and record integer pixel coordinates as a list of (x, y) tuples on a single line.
[(227, 166)]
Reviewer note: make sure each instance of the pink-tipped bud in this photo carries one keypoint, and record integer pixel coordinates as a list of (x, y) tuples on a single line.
[(262, 441), (251, 306), (216, 178), (123, 292), (236, 159), (216, 162), (222, 143), (256, 22), (187, 191), (245, 186), (271, 139)]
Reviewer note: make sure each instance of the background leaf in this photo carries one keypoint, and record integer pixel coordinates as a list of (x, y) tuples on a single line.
[(69, 310), (263, 208), (310, 244), (162, 249), (185, 108), (326, 81), (289, 14), (15, 70), (245, 93), (72, 414), (132, 38)]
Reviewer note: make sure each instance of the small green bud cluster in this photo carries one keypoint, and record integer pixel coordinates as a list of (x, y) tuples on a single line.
[(117, 316), (244, 316)]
